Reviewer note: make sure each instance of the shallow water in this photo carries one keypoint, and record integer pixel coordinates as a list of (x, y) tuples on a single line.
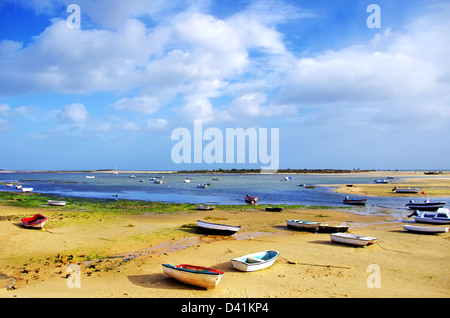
[(230, 189)]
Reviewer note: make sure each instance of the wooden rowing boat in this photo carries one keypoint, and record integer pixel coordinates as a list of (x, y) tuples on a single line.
[(38, 220), (303, 225), (194, 275), (256, 261), (328, 228), (56, 203), (352, 239), (425, 229), (347, 200), (217, 229)]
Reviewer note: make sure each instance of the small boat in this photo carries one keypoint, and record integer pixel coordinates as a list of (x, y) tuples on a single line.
[(38, 220), (18, 187), (187, 181), (352, 239), (216, 178), (194, 275), (274, 209), (327, 228), (132, 176), (427, 205), (406, 190), (256, 261), (251, 200), (381, 181), (217, 229), (203, 185), (90, 177), (27, 189), (425, 229), (303, 225), (441, 216), (347, 200), (158, 181), (309, 186), (56, 203), (10, 185), (206, 207)]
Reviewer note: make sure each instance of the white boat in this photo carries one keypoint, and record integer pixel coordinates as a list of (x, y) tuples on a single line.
[(205, 207), (202, 185), (18, 187), (425, 229), (27, 189), (441, 216), (218, 229), (158, 181), (90, 177), (194, 275), (406, 190), (352, 239), (303, 225), (256, 261), (381, 181), (426, 205), (187, 181), (56, 203)]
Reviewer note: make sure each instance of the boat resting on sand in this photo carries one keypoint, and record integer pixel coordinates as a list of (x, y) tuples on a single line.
[(217, 229), (255, 261), (194, 275), (406, 190), (38, 220), (441, 216), (328, 228), (56, 203), (303, 225), (425, 229), (352, 239), (274, 209), (205, 207)]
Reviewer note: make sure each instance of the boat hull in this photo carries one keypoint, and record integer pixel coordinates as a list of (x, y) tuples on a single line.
[(256, 261), (194, 275), (56, 203), (326, 228), (351, 239), (355, 201), (217, 229), (441, 216), (303, 225), (425, 229), (38, 220)]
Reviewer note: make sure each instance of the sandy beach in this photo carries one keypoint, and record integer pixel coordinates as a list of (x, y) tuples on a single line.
[(121, 255)]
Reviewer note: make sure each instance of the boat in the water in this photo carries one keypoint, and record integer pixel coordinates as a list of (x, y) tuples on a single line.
[(56, 203), (441, 216), (26, 189), (251, 200), (217, 229), (406, 190), (203, 185), (381, 181), (329, 228), (347, 200), (303, 225), (425, 229), (352, 239), (194, 275), (426, 205), (255, 261), (37, 220)]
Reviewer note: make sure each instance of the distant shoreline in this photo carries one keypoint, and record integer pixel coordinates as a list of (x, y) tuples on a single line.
[(249, 171)]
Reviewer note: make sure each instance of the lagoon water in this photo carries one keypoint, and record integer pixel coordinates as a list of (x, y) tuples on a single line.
[(230, 189)]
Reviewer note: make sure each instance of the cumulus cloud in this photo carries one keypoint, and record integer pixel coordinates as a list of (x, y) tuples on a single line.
[(74, 113)]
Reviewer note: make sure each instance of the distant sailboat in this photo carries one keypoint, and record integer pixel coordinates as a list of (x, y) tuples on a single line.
[(115, 171)]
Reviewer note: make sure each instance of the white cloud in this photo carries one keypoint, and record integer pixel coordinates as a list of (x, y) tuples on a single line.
[(143, 104), (4, 110), (74, 113), (155, 124)]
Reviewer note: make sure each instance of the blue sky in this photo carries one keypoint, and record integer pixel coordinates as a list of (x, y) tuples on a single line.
[(342, 95)]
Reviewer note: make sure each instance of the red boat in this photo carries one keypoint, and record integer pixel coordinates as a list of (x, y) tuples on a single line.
[(251, 200), (35, 221)]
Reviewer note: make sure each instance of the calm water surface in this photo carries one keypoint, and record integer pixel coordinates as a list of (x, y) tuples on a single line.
[(230, 189)]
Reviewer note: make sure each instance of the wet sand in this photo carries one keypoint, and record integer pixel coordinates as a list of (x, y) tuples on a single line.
[(121, 256)]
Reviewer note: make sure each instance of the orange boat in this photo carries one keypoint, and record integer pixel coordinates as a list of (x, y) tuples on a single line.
[(38, 220)]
